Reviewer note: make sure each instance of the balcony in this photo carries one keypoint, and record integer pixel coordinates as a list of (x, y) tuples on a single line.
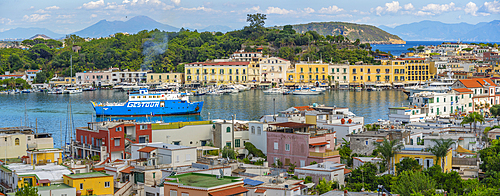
[(328, 153)]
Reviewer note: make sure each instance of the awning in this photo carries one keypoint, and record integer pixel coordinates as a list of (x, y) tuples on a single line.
[(44, 181), (379, 140), (146, 149), (354, 84), (127, 170), (397, 84), (231, 191), (323, 84), (461, 149), (319, 144), (265, 84), (260, 191)]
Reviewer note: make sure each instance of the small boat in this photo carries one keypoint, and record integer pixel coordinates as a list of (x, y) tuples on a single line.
[(274, 91), (90, 88), (358, 88), (306, 92), (72, 90), (26, 91)]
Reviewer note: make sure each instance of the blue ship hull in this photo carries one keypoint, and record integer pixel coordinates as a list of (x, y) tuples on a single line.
[(153, 108)]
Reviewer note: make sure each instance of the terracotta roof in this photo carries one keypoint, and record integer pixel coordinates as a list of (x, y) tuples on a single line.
[(319, 144), (292, 125), (303, 108), (32, 70), (411, 59), (231, 191), (379, 140), (127, 170), (260, 191), (346, 171), (11, 75), (476, 82), (99, 169), (146, 149), (229, 63), (462, 90)]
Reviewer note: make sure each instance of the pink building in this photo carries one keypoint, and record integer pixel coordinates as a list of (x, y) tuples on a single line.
[(98, 78), (300, 144)]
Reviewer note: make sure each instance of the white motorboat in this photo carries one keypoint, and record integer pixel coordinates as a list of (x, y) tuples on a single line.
[(306, 92), (274, 91), (72, 90)]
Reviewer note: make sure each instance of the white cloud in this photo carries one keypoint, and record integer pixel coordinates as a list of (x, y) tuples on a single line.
[(471, 8), (422, 13), (308, 10), (364, 19), (41, 11), (6, 21), (168, 7), (93, 4), (93, 16), (330, 10), (176, 2), (32, 7), (409, 6), (200, 8), (440, 8), (393, 6), (277, 10), (52, 8), (492, 7), (389, 7), (35, 17), (252, 9), (64, 16)]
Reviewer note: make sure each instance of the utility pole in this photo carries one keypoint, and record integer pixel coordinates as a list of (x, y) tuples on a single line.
[(274, 109), (232, 130)]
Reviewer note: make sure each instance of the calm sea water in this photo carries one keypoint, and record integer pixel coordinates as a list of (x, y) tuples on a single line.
[(397, 49), (51, 111)]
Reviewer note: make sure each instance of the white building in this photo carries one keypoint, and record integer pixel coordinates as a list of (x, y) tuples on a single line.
[(273, 69), (329, 170), (258, 135), (31, 74), (199, 135), (359, 161), (406, 114), (339, 75), (158, 153)]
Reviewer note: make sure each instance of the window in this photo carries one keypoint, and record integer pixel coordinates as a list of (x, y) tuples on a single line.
[(173, 193), (258, 131), (228, 144), (253, 130), (144, 127), (366, 142), (228, 129), (118, 129), (302, 163), (287, 147), (184, 194), (237, 143), (117, 141), (188, 158), (16, 141), (177, 158), (275, 145), (106, 184), (81, 186)]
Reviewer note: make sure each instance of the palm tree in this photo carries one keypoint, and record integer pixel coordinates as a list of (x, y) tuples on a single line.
[(440, 149), (467, 120), (388, 149)]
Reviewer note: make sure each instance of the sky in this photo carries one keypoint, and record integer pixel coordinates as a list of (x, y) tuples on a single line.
[(68, 16)]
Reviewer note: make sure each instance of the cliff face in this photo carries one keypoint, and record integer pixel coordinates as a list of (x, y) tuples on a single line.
[(365, 33)]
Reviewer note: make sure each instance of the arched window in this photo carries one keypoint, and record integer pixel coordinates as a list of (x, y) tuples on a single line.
[(228, 129), (253, 130), (16, 141)]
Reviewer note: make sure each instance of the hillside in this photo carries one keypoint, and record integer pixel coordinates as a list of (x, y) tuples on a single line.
[(437, 31), (365, 33)]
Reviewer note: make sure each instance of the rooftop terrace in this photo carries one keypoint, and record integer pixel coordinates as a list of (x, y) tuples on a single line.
[(88, 175), (202, 180)]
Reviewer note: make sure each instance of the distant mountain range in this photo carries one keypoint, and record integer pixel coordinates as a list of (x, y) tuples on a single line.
[(437, 31), (353, 31), (105, 28)]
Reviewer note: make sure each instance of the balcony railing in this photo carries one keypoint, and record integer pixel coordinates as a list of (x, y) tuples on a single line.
[(324, 154)]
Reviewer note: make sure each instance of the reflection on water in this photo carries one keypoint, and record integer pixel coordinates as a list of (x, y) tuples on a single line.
[(51, 110)]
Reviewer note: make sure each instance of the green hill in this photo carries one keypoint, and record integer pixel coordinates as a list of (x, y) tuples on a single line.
[(365, 33)]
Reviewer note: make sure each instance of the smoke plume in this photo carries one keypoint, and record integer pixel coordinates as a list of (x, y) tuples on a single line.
[(152, 48)]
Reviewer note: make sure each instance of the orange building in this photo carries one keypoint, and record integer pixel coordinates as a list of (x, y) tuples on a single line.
[(195, 184)]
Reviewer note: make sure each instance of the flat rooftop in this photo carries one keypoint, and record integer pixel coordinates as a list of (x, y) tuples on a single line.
[(54, 187), (50, 171), (202, 180), (163, 145), (88, 175), (326, 166)]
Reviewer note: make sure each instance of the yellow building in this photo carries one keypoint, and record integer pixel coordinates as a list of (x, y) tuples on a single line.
[(44, 156), (228, 72), (57, 81), (93, 183), (165, 78), (415, 69), (426, 159), (371, 75), (309, 73)]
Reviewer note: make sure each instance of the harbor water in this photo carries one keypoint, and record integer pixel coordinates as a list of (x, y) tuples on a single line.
[(49, 112)]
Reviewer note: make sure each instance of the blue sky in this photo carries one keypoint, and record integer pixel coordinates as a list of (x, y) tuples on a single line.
[(67, 16)]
